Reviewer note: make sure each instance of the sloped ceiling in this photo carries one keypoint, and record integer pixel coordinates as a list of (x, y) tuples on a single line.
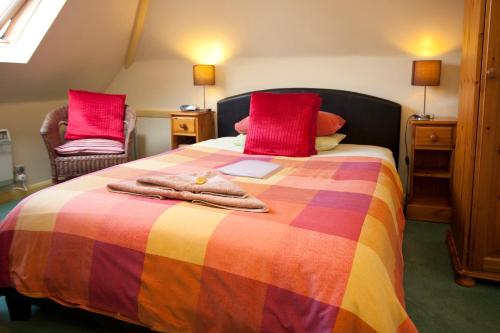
[(253, 28), (84, 49), (86, 45)]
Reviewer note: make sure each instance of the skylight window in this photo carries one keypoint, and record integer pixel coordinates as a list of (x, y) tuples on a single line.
[(14, 15), (8, 10), (4, 29), (23, 24)]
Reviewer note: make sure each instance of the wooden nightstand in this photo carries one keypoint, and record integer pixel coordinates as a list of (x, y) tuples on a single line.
[(433, 145), (191, 127)]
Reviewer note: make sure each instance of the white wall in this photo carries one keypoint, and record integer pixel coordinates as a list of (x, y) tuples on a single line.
[(166, 84), (358, 45), (362, 46), (83, 49), (153, 136), (24, 121), (216, 30)]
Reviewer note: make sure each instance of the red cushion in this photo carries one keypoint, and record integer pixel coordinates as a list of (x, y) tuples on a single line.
[(242, 125), (95, 115), (90, 147), (327, 124), (282, 124)]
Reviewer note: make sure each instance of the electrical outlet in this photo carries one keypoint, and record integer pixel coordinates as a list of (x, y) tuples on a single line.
[(19, 169)]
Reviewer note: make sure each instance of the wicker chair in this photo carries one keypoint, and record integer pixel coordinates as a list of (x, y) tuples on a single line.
[(66, 167)]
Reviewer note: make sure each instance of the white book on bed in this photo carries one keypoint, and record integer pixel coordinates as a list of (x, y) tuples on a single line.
[(250, 168)]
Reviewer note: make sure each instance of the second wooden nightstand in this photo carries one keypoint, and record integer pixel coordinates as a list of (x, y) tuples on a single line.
[(433, 144), (191, 127)]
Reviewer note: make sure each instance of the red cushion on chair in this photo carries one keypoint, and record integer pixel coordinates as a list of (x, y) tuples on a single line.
[(282, 124), (95, 115)]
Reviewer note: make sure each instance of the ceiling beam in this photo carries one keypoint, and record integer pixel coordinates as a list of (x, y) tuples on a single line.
[(140, 16)]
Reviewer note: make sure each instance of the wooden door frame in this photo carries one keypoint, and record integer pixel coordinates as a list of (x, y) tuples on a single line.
[(484, 219)]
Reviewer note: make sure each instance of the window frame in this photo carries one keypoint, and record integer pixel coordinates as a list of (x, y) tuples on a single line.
[(18, 19), (28, 26), (10, 11)]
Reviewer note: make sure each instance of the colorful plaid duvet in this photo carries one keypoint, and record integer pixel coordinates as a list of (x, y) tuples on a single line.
[(326, 258)]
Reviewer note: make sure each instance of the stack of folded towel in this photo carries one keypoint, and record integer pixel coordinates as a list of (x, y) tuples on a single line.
[(209, 188)]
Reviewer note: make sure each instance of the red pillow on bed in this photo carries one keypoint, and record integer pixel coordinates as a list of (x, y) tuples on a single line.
[(282, 124), (327, 124), (95, 115), (242, 126)]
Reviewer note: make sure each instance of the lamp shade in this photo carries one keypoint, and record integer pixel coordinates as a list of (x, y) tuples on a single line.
[(426, 73), (203, 75)]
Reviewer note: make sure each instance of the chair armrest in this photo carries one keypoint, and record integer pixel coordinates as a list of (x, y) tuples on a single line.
[(129, 128), (50, 127)]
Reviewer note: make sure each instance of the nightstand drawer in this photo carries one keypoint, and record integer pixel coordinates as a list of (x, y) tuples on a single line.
[(434, 136), (191, 127), (183, 125)]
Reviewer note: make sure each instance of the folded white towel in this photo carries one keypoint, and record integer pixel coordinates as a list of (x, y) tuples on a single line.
[(250, 168)]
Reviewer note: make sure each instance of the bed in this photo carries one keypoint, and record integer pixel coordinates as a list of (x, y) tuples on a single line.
[(326, 258)]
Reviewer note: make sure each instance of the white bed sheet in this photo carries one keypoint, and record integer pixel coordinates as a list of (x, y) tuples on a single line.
[(341, 150)]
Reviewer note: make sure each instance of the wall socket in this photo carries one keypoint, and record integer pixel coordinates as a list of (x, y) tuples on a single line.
[(20, 177), (19, 169), (20, 173)]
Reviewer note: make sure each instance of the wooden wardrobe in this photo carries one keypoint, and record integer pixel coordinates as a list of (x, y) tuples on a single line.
[(474, 239)]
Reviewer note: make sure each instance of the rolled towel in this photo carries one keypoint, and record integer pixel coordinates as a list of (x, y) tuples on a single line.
[(247, 203), (206, 183)]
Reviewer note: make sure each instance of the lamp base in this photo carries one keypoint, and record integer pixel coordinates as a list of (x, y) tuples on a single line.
[(423, 116)]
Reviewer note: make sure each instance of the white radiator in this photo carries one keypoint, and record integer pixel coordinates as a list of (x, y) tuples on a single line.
[(6, 171)]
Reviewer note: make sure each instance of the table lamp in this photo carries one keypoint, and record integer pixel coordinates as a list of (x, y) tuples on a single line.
[(204, 75), (426, 73)]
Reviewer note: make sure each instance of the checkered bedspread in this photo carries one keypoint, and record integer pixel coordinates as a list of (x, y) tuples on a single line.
[(326, 258)]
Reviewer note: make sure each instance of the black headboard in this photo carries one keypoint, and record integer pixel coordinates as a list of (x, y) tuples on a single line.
[(370, 120)]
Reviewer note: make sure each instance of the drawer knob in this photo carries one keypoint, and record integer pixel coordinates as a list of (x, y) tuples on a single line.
[(183, 126), (433, 137), (492, 73)]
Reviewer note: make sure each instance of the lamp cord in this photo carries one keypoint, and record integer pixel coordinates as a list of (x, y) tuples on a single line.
[(425, 98), (407, 158)]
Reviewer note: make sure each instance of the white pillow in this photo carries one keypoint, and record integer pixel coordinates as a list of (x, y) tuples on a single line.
[(239, 140), (323, 143), (329, 142)]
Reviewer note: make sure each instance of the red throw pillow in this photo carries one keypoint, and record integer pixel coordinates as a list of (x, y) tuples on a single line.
[(95, 115), (283, 124), (242, 125), (327, 124)]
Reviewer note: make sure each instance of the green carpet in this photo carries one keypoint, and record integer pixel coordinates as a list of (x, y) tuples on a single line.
[(5, 208), (434, 301)]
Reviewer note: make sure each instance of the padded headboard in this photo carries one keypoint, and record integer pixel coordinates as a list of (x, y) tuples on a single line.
[(370, 120)]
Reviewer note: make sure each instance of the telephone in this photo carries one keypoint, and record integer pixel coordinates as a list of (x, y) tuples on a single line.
[(188, 107)]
